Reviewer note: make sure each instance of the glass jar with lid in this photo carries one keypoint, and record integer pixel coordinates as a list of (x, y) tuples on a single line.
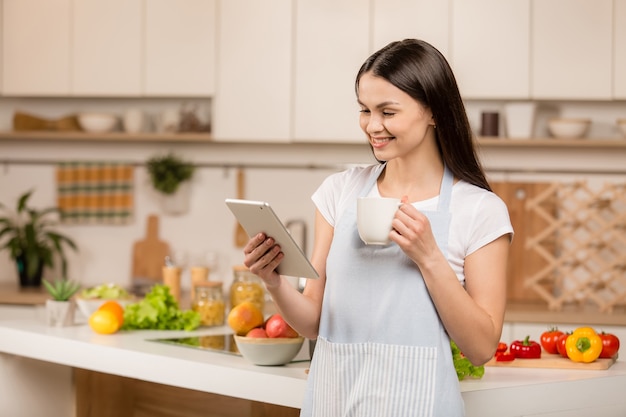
[(209, 303), (246, 287)]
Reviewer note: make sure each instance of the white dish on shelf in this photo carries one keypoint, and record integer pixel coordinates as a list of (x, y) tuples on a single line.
[(97, 122), (568, 128)]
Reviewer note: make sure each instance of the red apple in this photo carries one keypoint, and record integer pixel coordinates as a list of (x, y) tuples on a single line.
[(276, 326), (258, 332)]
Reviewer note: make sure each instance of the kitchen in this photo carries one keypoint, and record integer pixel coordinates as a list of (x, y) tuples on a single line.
[(286, 142)]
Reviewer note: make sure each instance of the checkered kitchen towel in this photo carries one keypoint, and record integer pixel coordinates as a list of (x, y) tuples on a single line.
[(95, 192)]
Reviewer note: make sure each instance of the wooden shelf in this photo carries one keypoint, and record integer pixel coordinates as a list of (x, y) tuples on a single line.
[(12, 293), (551, 143), (106, 137), (207, 137)]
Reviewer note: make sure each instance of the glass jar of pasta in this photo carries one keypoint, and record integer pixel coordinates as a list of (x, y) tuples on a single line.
[(209, 303), (246, 287)]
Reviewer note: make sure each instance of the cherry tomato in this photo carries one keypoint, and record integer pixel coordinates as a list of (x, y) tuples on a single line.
[(610, 345), (502, 347), (505, 357), (549, 340), (560, 345)]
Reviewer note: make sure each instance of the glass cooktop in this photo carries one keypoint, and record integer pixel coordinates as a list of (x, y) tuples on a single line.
[(222, 343)]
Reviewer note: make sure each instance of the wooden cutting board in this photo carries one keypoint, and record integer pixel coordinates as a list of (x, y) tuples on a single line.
[(149, 254), (554, 362)]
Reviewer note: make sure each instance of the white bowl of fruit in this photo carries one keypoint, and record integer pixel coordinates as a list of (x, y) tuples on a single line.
[(270, 343), (90, 299)]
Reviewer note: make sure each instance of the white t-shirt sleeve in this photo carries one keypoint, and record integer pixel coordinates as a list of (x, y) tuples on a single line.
[(489, 221), (339, 189)]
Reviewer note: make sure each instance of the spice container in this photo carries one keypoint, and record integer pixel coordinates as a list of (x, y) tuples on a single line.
[(246, 287), (171, 278), (199, 274), (209, 303)]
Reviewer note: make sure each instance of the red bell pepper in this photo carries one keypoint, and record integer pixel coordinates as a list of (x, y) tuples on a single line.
[(526, 349)]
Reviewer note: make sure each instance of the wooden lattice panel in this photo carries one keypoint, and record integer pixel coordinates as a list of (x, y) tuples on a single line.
[(583, 247)]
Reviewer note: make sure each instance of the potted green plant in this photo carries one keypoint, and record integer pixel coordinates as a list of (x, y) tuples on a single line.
[(170, 176), (32, 241), (60, 309)]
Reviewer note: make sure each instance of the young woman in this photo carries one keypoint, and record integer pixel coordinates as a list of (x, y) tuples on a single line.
[(383, 316)]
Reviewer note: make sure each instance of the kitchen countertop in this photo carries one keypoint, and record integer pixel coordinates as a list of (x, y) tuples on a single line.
[(501, 392)]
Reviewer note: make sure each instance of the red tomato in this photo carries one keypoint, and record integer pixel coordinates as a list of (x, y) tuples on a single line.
[(560, 345), (610, 345), (502, 347), (505, 357), (549, 340)]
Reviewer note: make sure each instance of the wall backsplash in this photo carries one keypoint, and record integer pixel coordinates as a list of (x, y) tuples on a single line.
[(105, 251)]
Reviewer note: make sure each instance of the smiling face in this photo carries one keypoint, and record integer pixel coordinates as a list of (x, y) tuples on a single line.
[(396, 124)]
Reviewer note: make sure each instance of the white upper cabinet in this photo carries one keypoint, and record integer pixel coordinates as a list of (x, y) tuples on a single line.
[(394, 20), (107, 52), (36, 47), (254, 71), (332, 42), (572, 49), (619, 58), (490, 48), (180, 48)]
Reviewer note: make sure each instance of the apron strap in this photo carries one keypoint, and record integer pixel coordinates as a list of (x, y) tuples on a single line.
[(445, 192)]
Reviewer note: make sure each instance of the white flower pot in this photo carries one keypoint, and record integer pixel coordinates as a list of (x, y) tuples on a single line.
[(177, 203), (60, 313)]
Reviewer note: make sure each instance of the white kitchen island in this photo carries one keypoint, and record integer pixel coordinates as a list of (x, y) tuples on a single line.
[(501, 392)]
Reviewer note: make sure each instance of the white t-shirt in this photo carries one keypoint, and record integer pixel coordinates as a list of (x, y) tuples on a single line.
[(478, 216)]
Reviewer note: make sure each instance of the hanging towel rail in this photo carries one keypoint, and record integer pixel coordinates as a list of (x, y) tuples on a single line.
[(337, 167), (219, 165)]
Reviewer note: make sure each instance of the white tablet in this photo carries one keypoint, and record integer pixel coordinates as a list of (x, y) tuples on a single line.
[(258, 216)]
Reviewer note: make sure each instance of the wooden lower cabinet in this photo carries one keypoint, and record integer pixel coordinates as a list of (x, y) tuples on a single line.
[(104, 395)]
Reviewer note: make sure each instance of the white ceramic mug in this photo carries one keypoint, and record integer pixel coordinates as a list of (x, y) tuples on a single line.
[(134, 121), (374, 217)]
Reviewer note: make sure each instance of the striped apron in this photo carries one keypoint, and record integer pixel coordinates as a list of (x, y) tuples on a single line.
[(382, 350)]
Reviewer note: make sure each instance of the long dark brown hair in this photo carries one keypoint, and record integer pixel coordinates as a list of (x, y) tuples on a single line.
[(421, 71)]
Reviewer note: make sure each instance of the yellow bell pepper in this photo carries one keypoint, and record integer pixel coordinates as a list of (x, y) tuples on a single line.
[(583, 345)]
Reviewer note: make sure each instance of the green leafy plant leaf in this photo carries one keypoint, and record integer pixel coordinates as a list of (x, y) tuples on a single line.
[(61, 289), (167, 172), (159, 311), (464, 368)]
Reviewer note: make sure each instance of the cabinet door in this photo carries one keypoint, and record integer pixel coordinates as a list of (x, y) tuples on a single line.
[(36, 47), (394, 20), (107, 50), (490, 48), (254, 66), (619, 57), (572, 49), (332, 41), (180, 48)]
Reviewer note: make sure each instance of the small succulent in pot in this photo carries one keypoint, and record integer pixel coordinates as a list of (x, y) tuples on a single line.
[(167, 172), (33, 243), (61, 289)]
